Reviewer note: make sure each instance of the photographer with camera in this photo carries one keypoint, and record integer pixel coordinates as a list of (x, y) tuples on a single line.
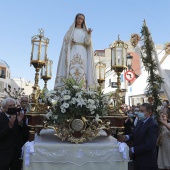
[(12, 129)]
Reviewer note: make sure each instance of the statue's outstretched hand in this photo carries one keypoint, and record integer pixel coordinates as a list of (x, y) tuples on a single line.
[(89, 31)]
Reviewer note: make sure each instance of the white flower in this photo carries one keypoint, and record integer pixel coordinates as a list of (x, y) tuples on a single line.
[(56, 98), (68, 92), (63, 110), (62, 107), (66, 105), (91, 101), (66, 97), (65, 92), (76, 87), (80, 102), (73, 100), (90, 92), (75, 97), (78, 94), (92, 107)]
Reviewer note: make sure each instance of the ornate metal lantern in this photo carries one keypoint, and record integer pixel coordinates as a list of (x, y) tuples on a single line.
[(46, 72), (118, 59), (100, 72), (129, 61), (118, 64), (38, 60), (39, 53)]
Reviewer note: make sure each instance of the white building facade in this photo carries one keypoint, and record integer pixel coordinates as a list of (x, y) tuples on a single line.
[(19, 83), (4, 78), (133, 92)]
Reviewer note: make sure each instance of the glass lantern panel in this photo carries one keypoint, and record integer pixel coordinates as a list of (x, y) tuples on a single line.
[(49, 69), (43, 71), (35, 51), (119, 56), (129, 62), (43, 51), (113, 56), (102, 72), (124, 56), (97, 72)]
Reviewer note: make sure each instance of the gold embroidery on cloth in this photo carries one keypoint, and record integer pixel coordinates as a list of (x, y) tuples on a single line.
[(77, 68)]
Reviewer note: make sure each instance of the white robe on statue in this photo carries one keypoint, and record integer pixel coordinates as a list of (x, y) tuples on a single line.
[(76, 61)]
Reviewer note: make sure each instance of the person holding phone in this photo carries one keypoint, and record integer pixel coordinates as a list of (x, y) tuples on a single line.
[(76, 59), (12, 129)]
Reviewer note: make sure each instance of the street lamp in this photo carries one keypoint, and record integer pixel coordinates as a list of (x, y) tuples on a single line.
[(46, 72), (129, 61), (100, 72)]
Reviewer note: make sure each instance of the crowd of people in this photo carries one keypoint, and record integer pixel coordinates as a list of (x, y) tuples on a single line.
[(14, 132), (148, 138)]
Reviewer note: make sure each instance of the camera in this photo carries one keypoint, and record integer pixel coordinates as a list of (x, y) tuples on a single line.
[(13, 110)]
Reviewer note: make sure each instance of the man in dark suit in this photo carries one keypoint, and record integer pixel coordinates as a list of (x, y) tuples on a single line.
[(12, 129), (24, 107), (144, 138)]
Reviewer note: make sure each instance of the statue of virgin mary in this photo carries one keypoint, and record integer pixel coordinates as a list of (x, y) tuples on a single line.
[(76, 57)]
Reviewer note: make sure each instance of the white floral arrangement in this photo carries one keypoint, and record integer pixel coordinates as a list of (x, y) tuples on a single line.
[(74, 100)]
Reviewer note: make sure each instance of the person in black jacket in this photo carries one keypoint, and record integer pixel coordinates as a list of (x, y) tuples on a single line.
[(129, 123), (12, 130), (144, 138)]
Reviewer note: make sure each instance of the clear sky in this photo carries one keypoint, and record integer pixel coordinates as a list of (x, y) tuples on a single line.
[(21, 19)]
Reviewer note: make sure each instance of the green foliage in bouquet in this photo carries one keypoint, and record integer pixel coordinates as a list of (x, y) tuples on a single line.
[(74, 100)]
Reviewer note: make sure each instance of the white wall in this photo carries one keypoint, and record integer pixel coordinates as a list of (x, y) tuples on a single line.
[(22, 83)]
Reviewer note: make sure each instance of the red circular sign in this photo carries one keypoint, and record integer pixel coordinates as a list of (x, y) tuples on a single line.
[(129, 75)]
